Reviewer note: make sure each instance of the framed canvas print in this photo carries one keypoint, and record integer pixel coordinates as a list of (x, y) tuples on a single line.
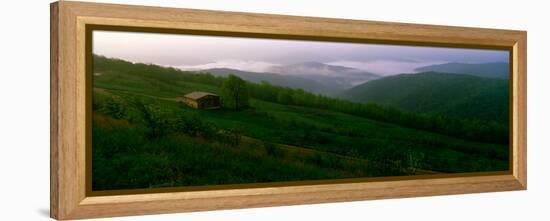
[(160, 110)]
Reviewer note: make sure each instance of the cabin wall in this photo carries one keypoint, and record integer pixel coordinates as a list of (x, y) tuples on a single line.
[(209, 102), (191, 103)]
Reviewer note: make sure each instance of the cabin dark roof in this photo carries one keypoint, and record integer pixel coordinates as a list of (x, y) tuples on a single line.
[(195, 95)]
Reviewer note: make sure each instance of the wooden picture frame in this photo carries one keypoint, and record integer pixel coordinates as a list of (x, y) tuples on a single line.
[(70, 198)]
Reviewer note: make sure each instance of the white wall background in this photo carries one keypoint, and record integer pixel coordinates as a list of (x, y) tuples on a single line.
[(24, 109)]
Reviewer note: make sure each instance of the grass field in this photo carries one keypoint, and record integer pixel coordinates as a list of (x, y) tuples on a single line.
[(144, 138)]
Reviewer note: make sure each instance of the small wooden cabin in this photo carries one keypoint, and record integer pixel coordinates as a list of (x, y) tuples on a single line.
[(202, 100)]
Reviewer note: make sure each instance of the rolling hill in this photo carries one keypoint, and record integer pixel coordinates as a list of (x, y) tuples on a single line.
[(457, 95), (491, 70)]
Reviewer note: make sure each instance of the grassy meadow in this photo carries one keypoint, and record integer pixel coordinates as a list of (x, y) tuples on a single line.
[(142, 137)]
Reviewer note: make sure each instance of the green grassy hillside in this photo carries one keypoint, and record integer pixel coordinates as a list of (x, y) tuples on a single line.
[(144, 138), (457, 95)]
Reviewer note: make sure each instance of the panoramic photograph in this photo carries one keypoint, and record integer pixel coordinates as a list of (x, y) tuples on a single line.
[(175, 110)]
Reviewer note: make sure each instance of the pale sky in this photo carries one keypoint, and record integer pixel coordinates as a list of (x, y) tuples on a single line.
[(254, 54)]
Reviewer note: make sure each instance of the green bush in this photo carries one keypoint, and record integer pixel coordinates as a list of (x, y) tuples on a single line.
[(273, 150), (111, 107)]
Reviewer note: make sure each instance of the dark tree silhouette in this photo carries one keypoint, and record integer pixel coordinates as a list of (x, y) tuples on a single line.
[(235, 93)]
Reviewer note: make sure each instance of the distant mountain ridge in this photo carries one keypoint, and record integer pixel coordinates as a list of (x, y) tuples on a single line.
[(490, 70), (337, 76), (313, 77), (457, 95)]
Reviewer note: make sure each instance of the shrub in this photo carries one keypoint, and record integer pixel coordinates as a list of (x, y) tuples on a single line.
[(155, 122), (113, 108), (273, 150)]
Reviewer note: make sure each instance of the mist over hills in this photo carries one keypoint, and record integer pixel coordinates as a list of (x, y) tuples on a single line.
[(456, 89), (481, 92), (338, 76), (314, 77), (491, 70)]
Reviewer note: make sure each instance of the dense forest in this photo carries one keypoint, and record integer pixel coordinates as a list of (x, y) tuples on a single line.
[(144, 138), (454, 95)]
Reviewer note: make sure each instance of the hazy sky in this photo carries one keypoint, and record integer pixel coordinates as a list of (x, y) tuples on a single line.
[(252, 54)]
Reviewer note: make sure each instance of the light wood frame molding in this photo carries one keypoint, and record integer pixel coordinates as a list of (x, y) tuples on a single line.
[(69, 198)]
